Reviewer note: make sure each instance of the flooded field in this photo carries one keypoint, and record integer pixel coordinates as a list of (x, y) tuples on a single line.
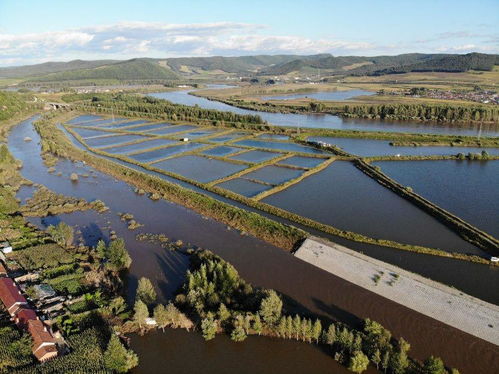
[(368, 147), (151, 156), (89, 133), (84, 118), (291, 147), (111, 140), (256, 156), (200, 169), (229, 137), (468, 189), (342, 196), (137, 147), (306, 162), (244, 186), (145, 128), (313, 290), (172, 129), (274, 174), (221, 151)]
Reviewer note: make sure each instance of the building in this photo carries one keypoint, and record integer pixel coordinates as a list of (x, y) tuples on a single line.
[(44, 344), (23, 316), (11, 296)]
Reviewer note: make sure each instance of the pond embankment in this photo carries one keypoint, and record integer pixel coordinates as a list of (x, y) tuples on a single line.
[(433, 299)]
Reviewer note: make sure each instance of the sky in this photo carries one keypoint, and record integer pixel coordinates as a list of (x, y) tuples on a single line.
[(34, 31)]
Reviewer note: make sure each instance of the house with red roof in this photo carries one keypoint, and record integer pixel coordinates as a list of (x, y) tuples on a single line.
[(11, 296)]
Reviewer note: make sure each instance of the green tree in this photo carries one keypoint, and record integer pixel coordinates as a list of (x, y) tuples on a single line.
[(358, 362), (271, 308), (223, 313), (145, 291), (433, 365), (118, 257), (317, 330), (385, 361), (161, 316), (376, 358), (101, 249), (62, 234), (399, 360), (257, 324), (209, 328), (296, 326), (140, 312), (117, 358), (330, 334), (238, 334)]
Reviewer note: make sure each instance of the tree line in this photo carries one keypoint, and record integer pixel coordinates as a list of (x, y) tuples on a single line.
[(151, 105), (422, 112)]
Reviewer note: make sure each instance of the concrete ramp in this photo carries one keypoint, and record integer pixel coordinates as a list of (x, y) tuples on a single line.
[(433, 299)]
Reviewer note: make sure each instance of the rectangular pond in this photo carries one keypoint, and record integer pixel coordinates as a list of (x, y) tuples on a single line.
[(100, 122), (244, 187), (84, 118), (222, 150), (101, 142), (89, 133), (256, 156), (468, 189), (158, 154), (346, 198), (201, 169), (124, 124), (172, 129), (273, 137), (274, 174), (144, 128), (305, 162), (142, 146), (199, 133), (290, 147), (371, 147), (228, 137)]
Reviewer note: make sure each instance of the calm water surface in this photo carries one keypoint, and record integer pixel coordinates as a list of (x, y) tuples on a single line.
[(328, 121), (469, 189), (324, 95), (368, 147)]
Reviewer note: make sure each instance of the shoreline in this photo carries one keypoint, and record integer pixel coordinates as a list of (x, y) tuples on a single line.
[(433, 299)]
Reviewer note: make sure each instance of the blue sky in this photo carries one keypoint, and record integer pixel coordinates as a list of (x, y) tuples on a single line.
[(37, 31)]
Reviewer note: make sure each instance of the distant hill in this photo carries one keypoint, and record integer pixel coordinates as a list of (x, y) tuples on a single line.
[(136, 69), (413, 62), (242, 64), (50, 67), (268, 65)]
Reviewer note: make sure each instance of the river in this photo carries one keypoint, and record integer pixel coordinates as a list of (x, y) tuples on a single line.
[(305, 287), (329, 121)]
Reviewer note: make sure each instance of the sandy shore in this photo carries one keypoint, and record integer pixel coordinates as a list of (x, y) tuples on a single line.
[(433, 299)]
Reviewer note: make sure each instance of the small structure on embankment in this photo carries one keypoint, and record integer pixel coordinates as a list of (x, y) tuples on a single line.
[(433, 299)]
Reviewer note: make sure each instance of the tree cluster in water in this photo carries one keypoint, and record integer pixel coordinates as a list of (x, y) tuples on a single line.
[(219, 300)]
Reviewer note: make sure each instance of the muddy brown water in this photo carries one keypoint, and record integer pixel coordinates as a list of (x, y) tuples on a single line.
[(306, 288)]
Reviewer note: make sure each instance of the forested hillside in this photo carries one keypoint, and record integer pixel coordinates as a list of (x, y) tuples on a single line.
[(135, 69)]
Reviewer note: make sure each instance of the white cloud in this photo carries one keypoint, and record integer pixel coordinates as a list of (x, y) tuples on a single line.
[(144, 39), (134, 39)]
